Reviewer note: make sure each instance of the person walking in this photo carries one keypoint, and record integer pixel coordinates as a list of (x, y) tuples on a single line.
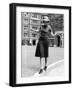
[(43, 43)]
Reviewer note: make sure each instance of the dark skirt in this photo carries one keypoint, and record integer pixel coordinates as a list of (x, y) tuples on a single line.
[(42, 48)]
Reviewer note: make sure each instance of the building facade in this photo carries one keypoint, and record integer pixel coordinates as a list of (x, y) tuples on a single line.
[(30, 27)]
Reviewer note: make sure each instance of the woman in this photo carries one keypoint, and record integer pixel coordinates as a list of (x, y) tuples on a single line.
[(42, 46)]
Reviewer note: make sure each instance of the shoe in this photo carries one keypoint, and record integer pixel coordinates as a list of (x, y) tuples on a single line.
[(41, 70), (45, 68)]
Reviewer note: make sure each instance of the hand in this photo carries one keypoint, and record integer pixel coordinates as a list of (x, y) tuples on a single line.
[(52, 34)]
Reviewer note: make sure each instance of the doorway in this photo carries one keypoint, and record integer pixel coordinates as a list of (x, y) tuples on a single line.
[(58, 41), (34, 42)]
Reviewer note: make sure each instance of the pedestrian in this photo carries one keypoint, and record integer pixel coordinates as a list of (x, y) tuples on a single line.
[(43, 43)]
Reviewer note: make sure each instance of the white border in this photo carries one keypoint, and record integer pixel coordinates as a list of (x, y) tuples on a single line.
[(20, 80)]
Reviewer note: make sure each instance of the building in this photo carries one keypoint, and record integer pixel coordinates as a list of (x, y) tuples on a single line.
[(30, 27)]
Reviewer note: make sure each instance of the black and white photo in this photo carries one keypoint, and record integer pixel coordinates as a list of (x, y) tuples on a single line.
[(42, 42)]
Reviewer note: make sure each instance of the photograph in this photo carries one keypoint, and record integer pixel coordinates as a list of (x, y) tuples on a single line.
[(42, 49), (40, 44)]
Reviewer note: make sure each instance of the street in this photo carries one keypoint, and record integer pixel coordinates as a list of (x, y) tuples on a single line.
[(31, 64)]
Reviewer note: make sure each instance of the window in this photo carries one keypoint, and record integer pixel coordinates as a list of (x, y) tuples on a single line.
[(33, 27), (25, 29), (34, 35), (25, 26), (26, 14), (25, 34), (34, 15)]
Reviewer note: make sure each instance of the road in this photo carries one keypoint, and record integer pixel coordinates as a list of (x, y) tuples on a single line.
[(31, 64)]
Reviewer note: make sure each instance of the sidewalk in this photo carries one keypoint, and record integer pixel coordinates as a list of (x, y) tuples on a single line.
[(56, 69), (31, 64)]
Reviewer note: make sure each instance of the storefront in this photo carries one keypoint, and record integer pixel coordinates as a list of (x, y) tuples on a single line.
[(59, 39)]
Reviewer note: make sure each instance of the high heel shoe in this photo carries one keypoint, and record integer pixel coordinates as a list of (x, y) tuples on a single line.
[(45, 68), (41, 71)]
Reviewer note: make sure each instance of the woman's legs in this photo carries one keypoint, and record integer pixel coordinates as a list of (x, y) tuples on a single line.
[(45, 61), (45, 64), (41, 65)]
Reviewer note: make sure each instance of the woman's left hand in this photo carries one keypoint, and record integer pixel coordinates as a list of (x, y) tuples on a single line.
[(52, 34)]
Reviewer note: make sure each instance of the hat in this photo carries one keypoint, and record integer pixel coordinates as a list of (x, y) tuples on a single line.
[(45, 18)]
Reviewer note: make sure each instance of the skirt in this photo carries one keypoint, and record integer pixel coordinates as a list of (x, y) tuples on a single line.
[(42, 48)]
